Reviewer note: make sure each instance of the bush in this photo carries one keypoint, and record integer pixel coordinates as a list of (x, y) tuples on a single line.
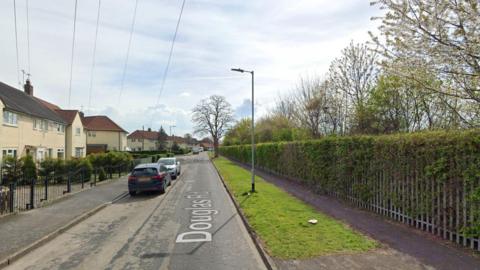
[(102, 175), (11, 170), (29, 168), (428, 174)]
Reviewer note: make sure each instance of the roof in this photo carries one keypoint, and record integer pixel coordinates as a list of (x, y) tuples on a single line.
[(142, 134), (101, 123), (49, 105), (147, 165), (67, 115), (176, 139), (18, 101)]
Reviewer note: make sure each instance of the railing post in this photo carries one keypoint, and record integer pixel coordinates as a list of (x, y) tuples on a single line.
[(11, 198), (46, 189), (95, 177), (119, 171), (32, 194), (69, 182), (82, 178)]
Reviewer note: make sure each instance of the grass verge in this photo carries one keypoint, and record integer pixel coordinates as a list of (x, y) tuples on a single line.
[(281, 220)]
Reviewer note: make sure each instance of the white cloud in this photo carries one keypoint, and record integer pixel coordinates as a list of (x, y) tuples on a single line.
[(280, 39)]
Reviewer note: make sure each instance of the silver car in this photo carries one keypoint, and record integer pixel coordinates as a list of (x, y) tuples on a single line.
[(173, 166)]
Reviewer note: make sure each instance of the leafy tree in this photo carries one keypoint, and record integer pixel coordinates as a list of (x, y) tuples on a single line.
[(442, 38), (162, 139), (240, 133), (213, 116)]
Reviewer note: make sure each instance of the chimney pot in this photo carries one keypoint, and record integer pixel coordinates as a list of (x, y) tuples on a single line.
[(28, 88)]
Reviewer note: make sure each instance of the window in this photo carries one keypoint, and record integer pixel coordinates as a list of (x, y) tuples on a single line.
[(92, 134), (60, 128), (10, 118), (60, 153), (77, 131), (9, 152), (36, 124), (49, 153), (78, 152), (133, 140), (44, 125)]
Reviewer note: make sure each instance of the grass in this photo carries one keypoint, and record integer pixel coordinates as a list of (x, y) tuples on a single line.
[(281, 220)]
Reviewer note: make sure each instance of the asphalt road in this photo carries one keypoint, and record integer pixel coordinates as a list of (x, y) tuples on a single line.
[(193, 226)]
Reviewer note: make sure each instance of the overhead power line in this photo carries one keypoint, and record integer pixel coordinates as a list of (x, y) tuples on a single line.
[(28, 38), (73, 51), (93, 59), (132, 27), (167, 67), (16, 40)]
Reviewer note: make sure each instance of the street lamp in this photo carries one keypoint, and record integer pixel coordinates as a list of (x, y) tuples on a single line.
[(253, 122)]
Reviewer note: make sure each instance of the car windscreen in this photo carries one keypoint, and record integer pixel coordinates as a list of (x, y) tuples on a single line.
[(167, 161), (144, 172)]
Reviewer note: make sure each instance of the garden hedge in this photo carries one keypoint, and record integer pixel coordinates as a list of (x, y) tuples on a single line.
[(430, 180)]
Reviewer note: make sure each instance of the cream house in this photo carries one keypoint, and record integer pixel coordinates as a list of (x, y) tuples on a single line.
[(75, 134), (28, 126), (104, 135), (141, 140)]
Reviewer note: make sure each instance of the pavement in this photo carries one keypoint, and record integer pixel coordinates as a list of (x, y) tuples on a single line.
[(194, 225), (22, 229)]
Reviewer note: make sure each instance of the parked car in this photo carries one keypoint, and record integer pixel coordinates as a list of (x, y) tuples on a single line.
[(195, 150), (149, 177), (173, 166)]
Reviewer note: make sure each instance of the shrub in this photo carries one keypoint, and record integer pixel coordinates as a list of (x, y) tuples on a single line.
[(29, 168), (428, 174), (102, 175)]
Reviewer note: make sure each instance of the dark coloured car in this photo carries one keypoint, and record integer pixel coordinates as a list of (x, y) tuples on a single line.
[(149, 177)]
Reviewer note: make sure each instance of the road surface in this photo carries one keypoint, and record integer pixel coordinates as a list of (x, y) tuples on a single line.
[(193, 226)]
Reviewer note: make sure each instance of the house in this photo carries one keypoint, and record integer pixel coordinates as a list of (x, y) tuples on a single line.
[(28, 126), (103, 134), (181, 142), (207, 144), (141, 140), (75, 134)]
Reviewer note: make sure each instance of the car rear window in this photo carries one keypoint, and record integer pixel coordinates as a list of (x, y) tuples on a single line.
[(167, 161), (144, 172)]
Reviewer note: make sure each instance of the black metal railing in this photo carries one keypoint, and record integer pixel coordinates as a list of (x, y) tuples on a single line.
[(19, 193)]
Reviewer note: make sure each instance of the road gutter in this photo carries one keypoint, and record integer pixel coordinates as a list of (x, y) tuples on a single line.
[(49, 237), (269, 263)]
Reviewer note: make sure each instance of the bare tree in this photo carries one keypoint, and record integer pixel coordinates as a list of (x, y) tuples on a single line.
[(354, 73), (213, 116)]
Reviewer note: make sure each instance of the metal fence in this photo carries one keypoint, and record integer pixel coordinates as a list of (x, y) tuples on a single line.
[(21, 194)]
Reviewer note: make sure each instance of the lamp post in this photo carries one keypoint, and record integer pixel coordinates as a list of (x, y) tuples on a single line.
[(253, 122), (171, 137)]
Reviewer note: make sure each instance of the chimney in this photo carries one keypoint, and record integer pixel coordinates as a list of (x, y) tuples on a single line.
[(149, 130), (28, 88), (81, 114)]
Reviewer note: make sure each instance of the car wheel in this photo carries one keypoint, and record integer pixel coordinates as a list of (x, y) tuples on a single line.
[(132, 193)]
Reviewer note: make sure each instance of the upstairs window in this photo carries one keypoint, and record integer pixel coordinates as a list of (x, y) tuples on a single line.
[(77, 131), (60, 128), (10, 118)]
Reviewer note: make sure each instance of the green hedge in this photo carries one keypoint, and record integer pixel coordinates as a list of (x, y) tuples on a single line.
[(429, 180)]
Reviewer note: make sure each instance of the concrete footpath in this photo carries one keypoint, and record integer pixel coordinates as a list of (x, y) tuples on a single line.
[(21, 230)]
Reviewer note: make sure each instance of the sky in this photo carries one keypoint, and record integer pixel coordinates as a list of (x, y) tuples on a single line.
[(281, 40)]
